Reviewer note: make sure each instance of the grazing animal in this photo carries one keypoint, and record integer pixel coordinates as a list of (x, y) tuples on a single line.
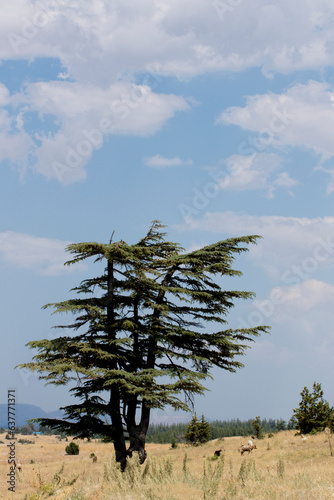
[(250, 443), (217, 453), (247, 448), (94, 459), (18, 466)]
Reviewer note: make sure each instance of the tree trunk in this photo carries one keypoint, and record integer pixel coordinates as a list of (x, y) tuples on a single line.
[(120, 451), (114, 403), (137, 442)]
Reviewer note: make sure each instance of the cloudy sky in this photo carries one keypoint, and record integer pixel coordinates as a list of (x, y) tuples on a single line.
[(215, 117)]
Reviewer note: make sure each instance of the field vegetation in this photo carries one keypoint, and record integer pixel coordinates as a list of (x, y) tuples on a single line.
[(284, 466)]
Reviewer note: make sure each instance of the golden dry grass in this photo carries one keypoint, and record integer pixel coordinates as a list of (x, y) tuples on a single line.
[(282, 467)]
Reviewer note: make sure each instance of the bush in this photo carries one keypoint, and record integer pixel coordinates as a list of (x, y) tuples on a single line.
[(174, 443), (72, 448)]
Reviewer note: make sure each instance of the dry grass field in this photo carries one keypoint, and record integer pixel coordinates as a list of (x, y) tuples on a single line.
[(282, 467)]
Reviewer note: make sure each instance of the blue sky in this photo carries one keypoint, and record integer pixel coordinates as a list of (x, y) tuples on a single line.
[(215, 117)]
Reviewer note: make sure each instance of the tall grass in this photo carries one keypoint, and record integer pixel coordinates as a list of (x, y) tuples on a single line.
[(288, 469)]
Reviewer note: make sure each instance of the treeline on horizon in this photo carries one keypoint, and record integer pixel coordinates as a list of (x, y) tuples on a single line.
[(165, 433)]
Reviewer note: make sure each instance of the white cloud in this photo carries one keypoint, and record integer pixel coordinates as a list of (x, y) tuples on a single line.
[(330, 183), (41, 255), (255, 171), (85, 116), (303, 116), (307, 296), (106, 47), (162, 162), (102, 39), (292, 248), (302, 315), (15, 143)]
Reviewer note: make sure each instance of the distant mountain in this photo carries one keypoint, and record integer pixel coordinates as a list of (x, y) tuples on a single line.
[(23, 412), (161, 417)]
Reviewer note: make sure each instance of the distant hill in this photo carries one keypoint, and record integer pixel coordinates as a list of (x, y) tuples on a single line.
[(24, 412)]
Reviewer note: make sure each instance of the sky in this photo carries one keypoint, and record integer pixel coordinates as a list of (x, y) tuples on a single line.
[(215, 117)]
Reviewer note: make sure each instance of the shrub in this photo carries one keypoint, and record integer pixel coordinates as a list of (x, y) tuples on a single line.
[(72, 448), (26, 441), (174, 443)]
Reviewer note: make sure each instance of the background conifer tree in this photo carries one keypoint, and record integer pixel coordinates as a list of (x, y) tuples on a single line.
[(313, 412), (204, 430), (198, 431), (192, 432), (140, 337), (257, 427)]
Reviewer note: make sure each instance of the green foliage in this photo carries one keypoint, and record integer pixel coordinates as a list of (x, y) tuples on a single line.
[(174, 443), (198, 431), (281, 425), (204, 431), (162, 433), (191, 434), (143, 335), (72, 448), (313, 412), (257, 427), (26, 441), (292, 423)]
